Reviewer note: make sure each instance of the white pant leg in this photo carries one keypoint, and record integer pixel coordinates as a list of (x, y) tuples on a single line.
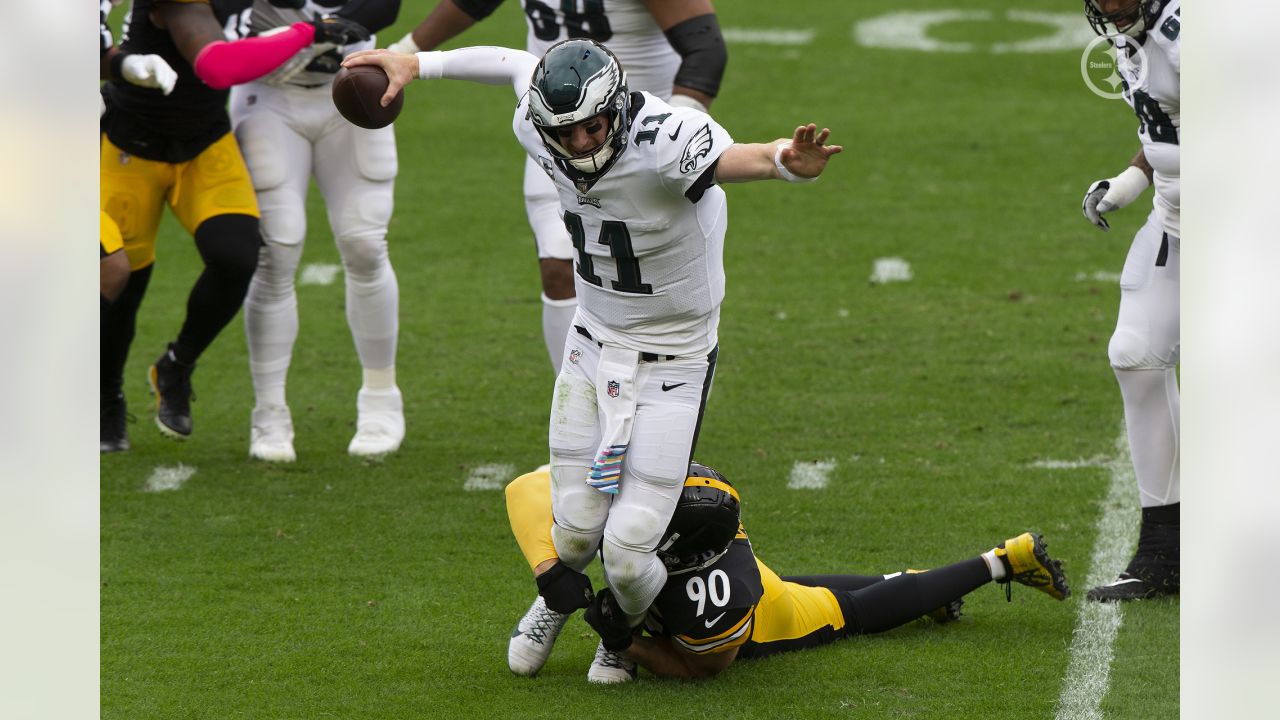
[(279, 162), (355, 171), (579, 510), (1144, 352), (653, 476)]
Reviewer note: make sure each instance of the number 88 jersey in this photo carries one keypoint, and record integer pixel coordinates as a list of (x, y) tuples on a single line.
[(712, 609), (625, 26)]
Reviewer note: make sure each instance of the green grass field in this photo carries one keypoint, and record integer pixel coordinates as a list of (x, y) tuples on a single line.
[(346, 589)]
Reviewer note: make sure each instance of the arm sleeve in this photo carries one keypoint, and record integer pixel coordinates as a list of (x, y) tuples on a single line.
[(485, 64), (374, 15), (477, 9), (703, 57), (223, 64)]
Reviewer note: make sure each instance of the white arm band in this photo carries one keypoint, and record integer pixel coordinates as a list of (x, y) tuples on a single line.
[(482, 64), (1125, 188), (686, 101), (783, 171)]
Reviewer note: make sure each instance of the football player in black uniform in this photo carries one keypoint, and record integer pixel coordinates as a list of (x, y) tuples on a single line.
[(176, 149), (720, 603)]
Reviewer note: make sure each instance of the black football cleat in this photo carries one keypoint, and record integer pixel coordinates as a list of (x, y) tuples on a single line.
[(171, 384), (113, 436), (1153, 571)]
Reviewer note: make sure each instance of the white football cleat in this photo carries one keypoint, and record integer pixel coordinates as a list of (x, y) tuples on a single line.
[(379, 422), (609, 668), (271, 434), (533, 638)]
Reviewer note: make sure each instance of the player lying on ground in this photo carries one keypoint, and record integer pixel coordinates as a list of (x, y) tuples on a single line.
[(721, 603), (639, 186)]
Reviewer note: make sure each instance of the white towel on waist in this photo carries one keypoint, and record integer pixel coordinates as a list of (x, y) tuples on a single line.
[(616, 397)]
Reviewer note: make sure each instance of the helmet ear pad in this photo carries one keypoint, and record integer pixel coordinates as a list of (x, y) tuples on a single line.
[(706, 520)]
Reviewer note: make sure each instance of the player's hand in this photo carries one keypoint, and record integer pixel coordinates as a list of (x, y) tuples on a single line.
[(808, 153), (564, 589), (1103, 196), (608, 620), (148, 71), (400, 69), (338, 30)]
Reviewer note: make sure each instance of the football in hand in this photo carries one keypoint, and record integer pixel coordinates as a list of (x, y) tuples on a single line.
[(357, 93)]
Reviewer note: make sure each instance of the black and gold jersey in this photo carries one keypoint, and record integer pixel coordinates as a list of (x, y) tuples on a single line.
[(712, 609), (177, 127)]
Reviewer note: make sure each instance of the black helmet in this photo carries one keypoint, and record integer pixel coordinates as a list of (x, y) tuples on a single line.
[(705, 522), (577, 80)]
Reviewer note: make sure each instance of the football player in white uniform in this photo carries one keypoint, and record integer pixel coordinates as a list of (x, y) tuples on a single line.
[(1144, 349), (673, 50), (289, 130), (638, 181)]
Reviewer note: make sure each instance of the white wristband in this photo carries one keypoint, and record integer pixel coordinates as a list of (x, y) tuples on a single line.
[(783, 172), (1125, 188), (430, 66), (688, 102), (405, 46)]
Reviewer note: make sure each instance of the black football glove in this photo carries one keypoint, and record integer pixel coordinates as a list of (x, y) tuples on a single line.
[(608, 620), (564, 589), (338, 31)]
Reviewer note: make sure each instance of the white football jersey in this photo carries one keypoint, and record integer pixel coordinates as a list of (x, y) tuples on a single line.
[(1151, 73), (649, 233), (624, 26), (266, 16)]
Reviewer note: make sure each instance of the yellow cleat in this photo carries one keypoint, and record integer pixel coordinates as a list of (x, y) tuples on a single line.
[(1026, 561)]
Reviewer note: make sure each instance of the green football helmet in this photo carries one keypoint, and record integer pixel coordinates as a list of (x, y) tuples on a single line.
[(577, 80)]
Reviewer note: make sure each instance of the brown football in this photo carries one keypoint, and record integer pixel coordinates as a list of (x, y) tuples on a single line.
[(357, 93)]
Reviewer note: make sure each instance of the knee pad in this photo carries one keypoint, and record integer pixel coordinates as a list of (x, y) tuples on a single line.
[(635, 577), (574, 548), (277, 265), (1130, 351), (230, 244), (364, 255)]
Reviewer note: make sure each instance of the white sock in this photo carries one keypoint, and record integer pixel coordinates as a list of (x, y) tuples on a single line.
[(994, 564), (383, 379), (557, 320), (271, 321), (373, 300), (1151, 418)]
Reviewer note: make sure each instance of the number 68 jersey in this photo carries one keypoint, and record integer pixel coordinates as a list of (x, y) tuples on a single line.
[(648, 233), (1150, 67)]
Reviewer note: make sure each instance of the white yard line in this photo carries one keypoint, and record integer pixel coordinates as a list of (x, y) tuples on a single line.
[(891, 269), (810, 475), (168, 478), (1096, 461), (490, 477), (767, 36), (1089, 669), (319, 274)]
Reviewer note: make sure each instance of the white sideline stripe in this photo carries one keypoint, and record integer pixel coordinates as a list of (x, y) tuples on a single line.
[(319, 274), (1097, 461), (168, 478), (1098, 276), (490, 477), (1089, 670), (810, 475), (767, 36), (891, 269)]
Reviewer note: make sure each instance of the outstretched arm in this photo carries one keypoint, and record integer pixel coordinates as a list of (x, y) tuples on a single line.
[(661, 657), (800, 159), (488, 65)]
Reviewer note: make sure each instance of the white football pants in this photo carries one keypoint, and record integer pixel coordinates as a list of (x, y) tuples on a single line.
[(287, 134), (670, 397), (1144, 353)]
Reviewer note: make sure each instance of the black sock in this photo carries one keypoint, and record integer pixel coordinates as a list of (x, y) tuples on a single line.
[(899, 600), (119, 322)]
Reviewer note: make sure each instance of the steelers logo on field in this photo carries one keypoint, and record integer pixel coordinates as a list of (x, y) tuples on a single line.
[(1100, 68)]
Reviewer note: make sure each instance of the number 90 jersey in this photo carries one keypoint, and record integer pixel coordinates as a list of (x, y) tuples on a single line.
[(713, 609), (649, 233), (1150, 67), (625, 26)]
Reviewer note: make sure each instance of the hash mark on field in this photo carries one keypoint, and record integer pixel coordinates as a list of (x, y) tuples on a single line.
[(489, 477), (1098, 276), (1089, 669), (891, 269), (319, 274), (168, 478), (810, 475), (1095, 461), (767, 36)]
